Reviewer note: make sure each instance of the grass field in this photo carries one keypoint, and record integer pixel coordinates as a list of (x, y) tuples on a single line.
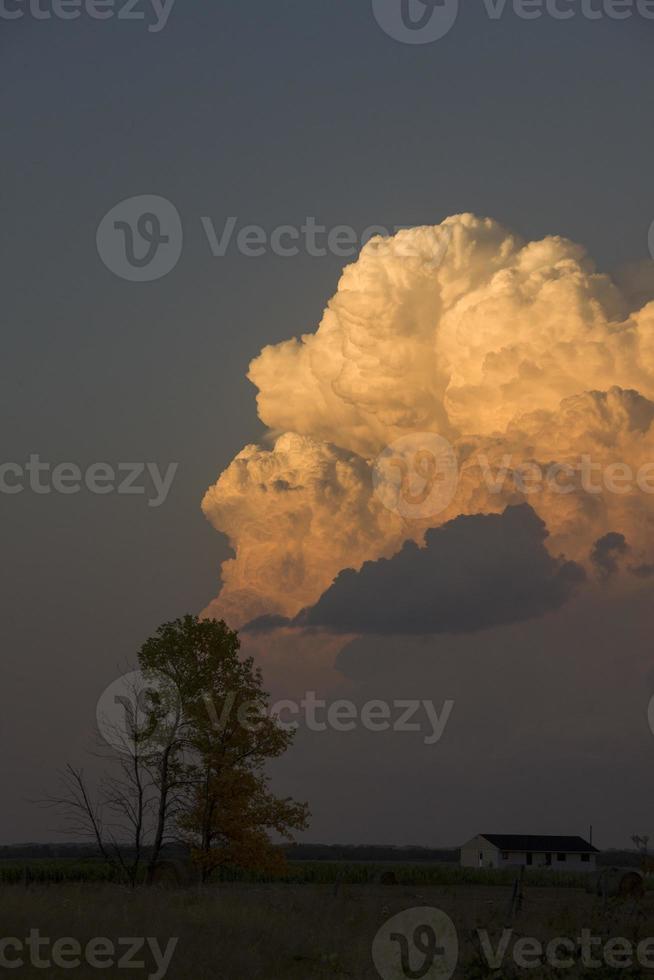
[(55, 871), (287, 931), (90, 870)]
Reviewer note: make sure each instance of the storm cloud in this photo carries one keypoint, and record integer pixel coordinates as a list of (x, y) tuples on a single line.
[(473, 573), (607, 552)]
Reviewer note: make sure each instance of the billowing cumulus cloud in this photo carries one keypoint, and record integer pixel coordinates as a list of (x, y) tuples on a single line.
[(586, 468), (495, 329), (296, 515), (522, 355)]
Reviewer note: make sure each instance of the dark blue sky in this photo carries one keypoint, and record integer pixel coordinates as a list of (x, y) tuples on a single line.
[(269, 112)]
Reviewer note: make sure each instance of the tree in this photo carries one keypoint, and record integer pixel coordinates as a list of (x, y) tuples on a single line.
[(188, 737), (229, 737), (138, 792), (229, 822), (641, 842)]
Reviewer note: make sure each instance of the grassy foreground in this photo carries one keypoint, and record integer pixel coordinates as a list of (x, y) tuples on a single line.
[(301, 932)]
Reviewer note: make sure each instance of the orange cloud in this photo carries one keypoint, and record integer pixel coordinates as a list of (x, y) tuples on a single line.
[(520, 354)]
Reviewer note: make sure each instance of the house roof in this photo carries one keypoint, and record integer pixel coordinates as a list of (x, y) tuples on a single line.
[(536, 842)]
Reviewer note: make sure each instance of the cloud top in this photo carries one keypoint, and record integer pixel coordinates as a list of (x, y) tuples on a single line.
[(518, 353)]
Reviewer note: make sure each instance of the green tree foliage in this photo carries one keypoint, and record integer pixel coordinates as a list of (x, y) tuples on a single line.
[(219, 750)]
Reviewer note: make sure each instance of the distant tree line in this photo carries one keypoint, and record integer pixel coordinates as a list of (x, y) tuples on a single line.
[(372, 853), (369, 852)]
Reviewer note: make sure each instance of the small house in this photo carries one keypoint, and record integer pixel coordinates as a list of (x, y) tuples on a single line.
[(529, 851)]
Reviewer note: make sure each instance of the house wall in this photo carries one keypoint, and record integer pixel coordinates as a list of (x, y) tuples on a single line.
[(572, 862), (479, 853)]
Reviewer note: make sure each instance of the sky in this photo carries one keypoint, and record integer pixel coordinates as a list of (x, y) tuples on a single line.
[(275, 115)]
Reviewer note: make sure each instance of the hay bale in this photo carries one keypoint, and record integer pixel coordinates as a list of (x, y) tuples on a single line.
[(386, 878), (632, 885), (620, 883), (170, 873)]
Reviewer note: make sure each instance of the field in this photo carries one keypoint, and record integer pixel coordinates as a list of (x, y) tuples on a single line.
[(291, 931), (57, 871)]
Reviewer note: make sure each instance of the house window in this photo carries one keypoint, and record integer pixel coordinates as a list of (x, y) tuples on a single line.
[(505, 855), (548, 859), (560, 857), (530, 858), (585, 857)]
